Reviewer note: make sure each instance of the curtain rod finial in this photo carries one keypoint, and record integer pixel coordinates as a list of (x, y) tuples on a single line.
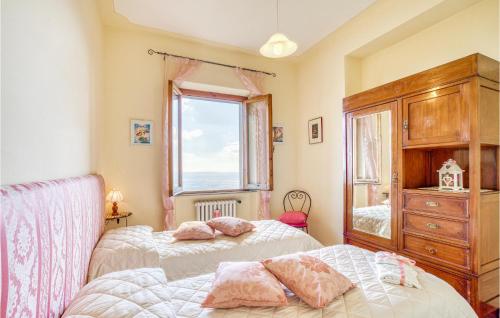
[(151, 52)]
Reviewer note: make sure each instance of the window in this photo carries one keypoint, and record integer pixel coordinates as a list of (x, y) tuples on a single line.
[(211, 156), (219, 142)]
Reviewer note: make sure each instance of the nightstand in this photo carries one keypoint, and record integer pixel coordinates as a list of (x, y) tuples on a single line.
[(121, 215)]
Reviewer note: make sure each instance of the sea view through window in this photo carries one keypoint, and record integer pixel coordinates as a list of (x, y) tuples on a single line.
[(210, 144)]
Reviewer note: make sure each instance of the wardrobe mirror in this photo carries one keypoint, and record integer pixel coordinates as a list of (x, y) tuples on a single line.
[(371, 202)]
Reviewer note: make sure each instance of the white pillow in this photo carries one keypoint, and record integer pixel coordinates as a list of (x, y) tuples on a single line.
[(124, 248), (133, 293)]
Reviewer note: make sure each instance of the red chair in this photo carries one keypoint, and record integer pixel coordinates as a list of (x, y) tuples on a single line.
[(297, 205)]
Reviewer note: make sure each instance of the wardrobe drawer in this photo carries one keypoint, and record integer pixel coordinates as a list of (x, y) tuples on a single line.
[(440, 252), (442, 205), (436, 227)]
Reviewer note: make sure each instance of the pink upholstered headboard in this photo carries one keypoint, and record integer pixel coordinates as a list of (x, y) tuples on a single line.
[(47, 233)]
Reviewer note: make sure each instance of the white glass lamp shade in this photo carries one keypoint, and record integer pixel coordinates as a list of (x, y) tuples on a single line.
[(114, 196), (278, 46)]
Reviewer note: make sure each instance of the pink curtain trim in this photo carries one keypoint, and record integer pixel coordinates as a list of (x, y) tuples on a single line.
[(265, 209), (182, 68), (165, 186), (369, 147), (251, 80), (169, 213), (254, 83)]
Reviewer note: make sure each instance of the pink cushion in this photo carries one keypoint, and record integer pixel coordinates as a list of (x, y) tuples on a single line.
[(293, 217), (231, 226), (194, 230), (300, 225), (244, 284), (311, 279)]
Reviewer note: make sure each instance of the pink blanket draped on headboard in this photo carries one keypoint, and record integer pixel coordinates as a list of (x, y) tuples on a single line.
[(47, 233)]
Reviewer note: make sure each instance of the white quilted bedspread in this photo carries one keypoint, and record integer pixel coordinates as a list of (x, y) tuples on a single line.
[(180, 259), (371, 298), (138, 246), (139, 293), (124, 248), (374, 220)]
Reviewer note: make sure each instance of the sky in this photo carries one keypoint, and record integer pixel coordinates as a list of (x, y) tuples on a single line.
[(210, 136)]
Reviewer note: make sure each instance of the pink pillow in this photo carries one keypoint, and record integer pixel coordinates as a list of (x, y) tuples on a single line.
[(231, 226), (293, 217), (311, 279), (244, 284), (194, 230)]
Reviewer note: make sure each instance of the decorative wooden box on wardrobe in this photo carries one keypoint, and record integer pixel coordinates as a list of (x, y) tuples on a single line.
[(397, 138)]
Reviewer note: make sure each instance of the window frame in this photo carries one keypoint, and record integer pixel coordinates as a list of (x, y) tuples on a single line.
[(214, 96), (173, 90), (244, 139), (269, 102)]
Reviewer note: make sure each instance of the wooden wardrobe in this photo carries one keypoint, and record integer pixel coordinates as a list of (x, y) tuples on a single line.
[(397, 136)]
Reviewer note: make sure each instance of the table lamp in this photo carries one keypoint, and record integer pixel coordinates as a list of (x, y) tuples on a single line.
[(114, 196)]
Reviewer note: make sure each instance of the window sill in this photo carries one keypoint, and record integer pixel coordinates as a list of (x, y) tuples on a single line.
[(212, 192)]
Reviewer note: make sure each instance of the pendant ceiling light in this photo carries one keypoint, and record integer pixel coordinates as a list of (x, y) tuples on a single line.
[(278, 44)]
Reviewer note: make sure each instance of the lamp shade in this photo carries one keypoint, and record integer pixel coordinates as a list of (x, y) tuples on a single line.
[(114, 196), (278, 46)]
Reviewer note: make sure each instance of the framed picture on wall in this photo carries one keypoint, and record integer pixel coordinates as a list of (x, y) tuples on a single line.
[(141, 132), (316, 130), (278, 134)]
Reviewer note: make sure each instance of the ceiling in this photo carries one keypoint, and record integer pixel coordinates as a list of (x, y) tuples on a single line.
[(245, 24)]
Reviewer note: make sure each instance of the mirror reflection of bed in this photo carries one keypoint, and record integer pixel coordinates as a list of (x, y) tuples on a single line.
[(372, 174)]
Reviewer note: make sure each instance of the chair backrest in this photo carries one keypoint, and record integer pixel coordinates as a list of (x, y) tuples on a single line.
[(297, 200)]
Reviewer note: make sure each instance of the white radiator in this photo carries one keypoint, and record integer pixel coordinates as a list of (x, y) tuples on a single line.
[(205, 209)]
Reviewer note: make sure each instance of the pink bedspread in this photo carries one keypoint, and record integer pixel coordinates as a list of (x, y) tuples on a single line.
[(47, 233)]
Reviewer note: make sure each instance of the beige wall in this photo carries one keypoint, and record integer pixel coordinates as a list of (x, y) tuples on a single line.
[(50, 88), (322, 80), (469, 31), (133, 89)]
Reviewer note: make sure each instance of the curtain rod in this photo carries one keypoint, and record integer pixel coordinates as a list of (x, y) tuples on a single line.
[(151, 52)]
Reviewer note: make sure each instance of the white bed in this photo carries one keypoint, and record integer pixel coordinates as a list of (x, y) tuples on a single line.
[(139, 246), (374, 220), (370, 298)]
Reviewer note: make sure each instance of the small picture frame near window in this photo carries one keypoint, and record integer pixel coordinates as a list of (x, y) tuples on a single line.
[(278, 134), (315, 130), (141, 132)]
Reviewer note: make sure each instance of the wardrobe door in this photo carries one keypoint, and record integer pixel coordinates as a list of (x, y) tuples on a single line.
[(440, 116), (371, 175)]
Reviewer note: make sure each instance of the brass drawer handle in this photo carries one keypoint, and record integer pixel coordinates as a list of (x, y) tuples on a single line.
[(433, 226), (431, 250), (432, 204)]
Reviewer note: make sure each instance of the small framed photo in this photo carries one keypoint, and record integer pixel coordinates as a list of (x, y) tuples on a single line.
[(278, 134), (141, 132), (316, 130)]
